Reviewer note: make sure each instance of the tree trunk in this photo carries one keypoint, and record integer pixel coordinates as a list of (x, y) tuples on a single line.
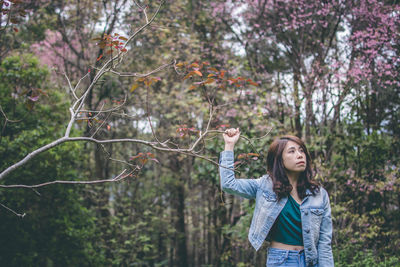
[(178, 207), (297, 104), (180, 226), (309, 114)]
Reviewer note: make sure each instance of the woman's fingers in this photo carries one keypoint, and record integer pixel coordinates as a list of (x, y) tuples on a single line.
[(229, 132), (231, 136), (232, 132)]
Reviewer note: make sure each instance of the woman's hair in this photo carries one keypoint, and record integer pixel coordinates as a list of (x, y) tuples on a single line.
[(277, 171)]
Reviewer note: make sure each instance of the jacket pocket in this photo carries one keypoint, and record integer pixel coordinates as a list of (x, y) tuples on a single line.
[(316, 216), (317, 211)]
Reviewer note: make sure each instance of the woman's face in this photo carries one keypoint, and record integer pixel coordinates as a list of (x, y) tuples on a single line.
[(294, 158)]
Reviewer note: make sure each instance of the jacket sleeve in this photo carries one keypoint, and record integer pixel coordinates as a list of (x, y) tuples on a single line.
[(325, 257), (246, 188)]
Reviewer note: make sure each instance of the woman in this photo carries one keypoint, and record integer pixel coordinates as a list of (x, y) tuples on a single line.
[(292, 210)]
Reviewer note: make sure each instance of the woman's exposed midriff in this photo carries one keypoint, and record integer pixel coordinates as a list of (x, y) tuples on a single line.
[(279, 245)]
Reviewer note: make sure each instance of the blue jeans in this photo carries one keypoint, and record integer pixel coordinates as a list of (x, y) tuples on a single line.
[(286, 258)]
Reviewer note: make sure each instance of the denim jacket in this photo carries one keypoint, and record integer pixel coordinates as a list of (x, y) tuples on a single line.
[(315, 212)]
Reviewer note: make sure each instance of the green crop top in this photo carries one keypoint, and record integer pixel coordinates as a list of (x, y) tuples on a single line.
[(287, 227)]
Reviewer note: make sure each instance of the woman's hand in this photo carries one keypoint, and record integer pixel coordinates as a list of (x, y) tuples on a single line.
[(231, 136)]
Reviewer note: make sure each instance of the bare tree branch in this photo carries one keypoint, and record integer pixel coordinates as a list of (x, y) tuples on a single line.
[(5, 122), (16, 213), (117, 178)]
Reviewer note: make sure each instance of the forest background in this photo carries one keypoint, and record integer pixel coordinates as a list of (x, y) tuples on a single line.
[(327, 71)]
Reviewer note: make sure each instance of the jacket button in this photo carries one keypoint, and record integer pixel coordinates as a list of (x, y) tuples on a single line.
[(307, 231), (306, 213), (309, 249)]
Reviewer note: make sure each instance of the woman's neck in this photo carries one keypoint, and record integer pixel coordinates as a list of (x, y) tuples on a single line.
[(293, 178)]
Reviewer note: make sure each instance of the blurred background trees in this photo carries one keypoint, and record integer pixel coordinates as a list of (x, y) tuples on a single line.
[(327, 71)]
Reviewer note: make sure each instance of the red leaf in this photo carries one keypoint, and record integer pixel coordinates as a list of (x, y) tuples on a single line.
[(135, 157), (194, 65), (242, 156), (223, 126), (15, 29), (143, 160), (190, 74), (209, 80), (198, 73), (42, 92), (251, 82)]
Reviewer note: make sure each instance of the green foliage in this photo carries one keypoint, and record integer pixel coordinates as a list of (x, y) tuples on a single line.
[(362, 178), (22, 81), (357, 256), (138, 222), (57, 228)]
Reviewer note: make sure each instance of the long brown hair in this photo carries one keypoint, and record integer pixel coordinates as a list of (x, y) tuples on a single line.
[(277, 171)]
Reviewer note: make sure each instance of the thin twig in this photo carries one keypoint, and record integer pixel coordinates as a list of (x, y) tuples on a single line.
[(16, 213), (106, 110), (70, 86), (202, 135), (139, 75), (148, 116), (5, 116), (123, 161), (101, 125), (5, 122), (265, 135), (209, 160)]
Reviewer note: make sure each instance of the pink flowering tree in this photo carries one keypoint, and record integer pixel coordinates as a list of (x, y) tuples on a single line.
[(318, 54)]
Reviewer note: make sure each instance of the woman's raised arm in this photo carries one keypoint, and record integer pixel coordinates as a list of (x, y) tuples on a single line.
[(246, 188)]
